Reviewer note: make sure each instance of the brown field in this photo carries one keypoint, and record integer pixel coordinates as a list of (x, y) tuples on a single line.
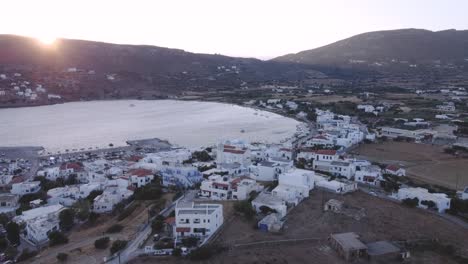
[(423, 162), (384, 220)]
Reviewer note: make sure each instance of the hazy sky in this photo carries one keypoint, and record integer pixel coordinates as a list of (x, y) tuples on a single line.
[(253, 28)]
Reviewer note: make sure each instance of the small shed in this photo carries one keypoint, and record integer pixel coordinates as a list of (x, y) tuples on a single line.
[(348, 246), (333, 205)]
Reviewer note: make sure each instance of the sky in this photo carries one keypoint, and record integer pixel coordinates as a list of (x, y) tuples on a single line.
[(247, 28)]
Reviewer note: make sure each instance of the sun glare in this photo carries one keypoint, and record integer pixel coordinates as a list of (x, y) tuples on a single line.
[(47, 40)]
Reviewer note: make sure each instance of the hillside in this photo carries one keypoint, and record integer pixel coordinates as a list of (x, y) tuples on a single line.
[(394, 48), (88, 70)]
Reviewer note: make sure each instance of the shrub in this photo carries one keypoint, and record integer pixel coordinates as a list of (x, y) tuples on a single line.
[(410, 202), (158, 224), (177, 252), (117, 246), (13, 232), (102, 243), (57, 238), (67, 218), (190, 241), (245, 208), (62, 257), (26, 254), (115, 228), (429, 204)]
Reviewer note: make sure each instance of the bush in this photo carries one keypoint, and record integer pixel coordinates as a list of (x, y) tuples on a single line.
[(177, 252), (57, 238), (117, 246), (102, 243), (67, 219), (158, 224), (266, 210), (13, 233), (202, 156), (62, 257), (429, 204), (410, 202), (190, 241), (149, 192), (245, 208), (3, 243), (115, 228), (26, 254), (93, 217)]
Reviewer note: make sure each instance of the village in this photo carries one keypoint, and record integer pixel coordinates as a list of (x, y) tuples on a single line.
[(181, 202)]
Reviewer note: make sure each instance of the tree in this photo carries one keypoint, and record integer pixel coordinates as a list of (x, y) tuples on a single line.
[(57, 238), (102, 243), (13, 233), (117, 246), (11, 252), (3, 243), (62, 257), (158, 224), (266, 210), (93, 217), (67, 219), (82, 209), (429, 204), (26, 254), (177, 252), (4, 219), (202, 156), (245, 208)]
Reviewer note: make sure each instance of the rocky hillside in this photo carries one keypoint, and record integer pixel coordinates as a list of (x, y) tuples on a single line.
[(405, 48)]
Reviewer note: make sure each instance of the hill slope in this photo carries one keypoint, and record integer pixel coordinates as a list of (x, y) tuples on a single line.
[(384, 48)]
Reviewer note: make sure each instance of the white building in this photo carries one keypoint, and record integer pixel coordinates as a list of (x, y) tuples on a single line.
[(441, 200), (274, 202), (370, 174), (38, 231), (8, 203), (218, 187), (111, 196), (294, 185), (201, 220), (464, 195), (233, 151), (337, 186), (182, 176), (343, 168), (23, 188), (269, 170), (139, 177)]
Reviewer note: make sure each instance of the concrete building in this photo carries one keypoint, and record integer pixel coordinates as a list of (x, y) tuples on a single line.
[(342, 168), (180, 175), (219, 187), (111, 196), (395, 170), (8, 203), (348, 246), (139, 177), (464, 195), (294, 185), (337, 186), (271, 223), (201, 220)]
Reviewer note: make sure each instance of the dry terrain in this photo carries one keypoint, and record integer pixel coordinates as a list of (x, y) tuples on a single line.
[(384, 220), (423, 162)]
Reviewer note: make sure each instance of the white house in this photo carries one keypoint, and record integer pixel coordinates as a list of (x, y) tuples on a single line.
[(23, 188), (50, 211), (38, 231), (370, 174), (323, 159), (184, 176), (294, 185), (343, 168), (337, 186), (109, 198), (441, 200), (274, 202), (219, 187), (197, 219), (140, 177), (233, 151), (8, 203), (395, 170), (269, 170)]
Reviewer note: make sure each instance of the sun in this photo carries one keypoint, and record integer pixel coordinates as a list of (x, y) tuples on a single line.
[(47, 40)]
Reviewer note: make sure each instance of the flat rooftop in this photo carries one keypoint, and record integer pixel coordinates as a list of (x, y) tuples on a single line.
[(349, 241)]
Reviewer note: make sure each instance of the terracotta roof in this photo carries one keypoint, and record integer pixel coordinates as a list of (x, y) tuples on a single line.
[(72, 165), (285, 149), (140, 172), (16, 179), (234, 151), (229, 147), (392, 167), (134, 158), (320, 137), (326, 152)]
